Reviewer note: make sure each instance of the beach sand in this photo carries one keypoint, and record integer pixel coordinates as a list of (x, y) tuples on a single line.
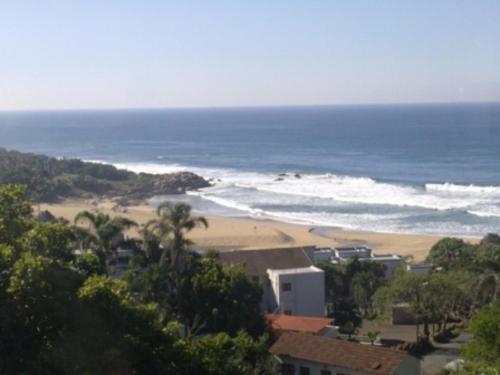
[(241, 233)]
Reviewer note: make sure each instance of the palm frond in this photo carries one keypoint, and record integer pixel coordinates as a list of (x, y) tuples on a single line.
[(123, 222), (85, 216)]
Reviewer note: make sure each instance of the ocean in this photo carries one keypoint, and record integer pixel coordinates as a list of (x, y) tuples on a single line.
[(432, 169)]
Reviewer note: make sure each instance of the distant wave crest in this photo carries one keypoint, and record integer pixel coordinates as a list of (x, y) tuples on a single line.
[(348, 189), (463, 189), (486, 213), (314, 199), (152, 168)]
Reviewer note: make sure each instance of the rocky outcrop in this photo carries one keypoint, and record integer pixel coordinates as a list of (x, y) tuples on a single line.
[(171, 183), (179, 183), (51, 179)]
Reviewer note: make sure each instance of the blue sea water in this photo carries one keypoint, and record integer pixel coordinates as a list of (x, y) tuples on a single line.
[(401, 168)]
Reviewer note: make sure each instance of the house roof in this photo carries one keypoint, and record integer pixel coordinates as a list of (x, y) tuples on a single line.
[(295, 323), (339, 353), (257, 262)]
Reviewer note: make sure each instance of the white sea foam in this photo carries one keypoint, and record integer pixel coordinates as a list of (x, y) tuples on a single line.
[(361, 190), (491, 212), (376, 222), (356, 190), (381, 206), (152, 168), (230, 204), (463, 189)]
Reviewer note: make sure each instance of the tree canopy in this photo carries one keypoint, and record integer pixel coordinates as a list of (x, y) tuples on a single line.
[(349, 289), (485, 329), (60, 313), (49, 179)]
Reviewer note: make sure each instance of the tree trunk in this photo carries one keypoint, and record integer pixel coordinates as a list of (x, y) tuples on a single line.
[(426, 329)]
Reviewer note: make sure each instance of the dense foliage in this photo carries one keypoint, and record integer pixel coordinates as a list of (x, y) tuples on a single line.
[(349, 288), (485, 328), (48, 179), (463, 289), (60, 313), (434, 298), (482, 353)]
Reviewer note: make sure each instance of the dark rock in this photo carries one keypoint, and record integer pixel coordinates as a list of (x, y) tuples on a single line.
[(172, 183), (179, 182)]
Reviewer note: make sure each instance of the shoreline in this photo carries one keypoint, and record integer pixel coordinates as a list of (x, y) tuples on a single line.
[(226, 233)]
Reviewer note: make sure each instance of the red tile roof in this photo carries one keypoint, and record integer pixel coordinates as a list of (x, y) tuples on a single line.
[(295, 323), (339, 353)]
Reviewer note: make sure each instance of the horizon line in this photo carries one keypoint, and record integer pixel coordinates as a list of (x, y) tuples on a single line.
[(242, 107)]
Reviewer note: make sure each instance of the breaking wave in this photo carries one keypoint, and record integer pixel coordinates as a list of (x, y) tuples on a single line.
[(346, 201), (464, 189)]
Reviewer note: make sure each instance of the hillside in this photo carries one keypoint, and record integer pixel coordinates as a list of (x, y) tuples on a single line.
[(49, 179)]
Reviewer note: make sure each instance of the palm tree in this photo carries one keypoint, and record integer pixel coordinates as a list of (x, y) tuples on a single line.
[(151, 251), (171, 227), (84, 238), (106, 229)]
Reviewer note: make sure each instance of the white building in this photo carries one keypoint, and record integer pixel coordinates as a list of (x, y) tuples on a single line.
[(298, 291), (289, 281), (346, 253), (391, 262), (321, 254), (363, 253)]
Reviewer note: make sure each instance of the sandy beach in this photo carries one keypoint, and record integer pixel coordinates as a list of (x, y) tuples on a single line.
[(241, 233)]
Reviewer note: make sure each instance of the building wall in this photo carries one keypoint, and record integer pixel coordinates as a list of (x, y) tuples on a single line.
[(307, 294), (320, 255), (392, 266), (420, 269), (269, 304)]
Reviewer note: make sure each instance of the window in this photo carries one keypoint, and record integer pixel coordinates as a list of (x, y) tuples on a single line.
[(287, 369), (286, 287), (304, 370)]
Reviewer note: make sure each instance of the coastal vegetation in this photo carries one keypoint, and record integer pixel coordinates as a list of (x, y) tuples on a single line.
[(460, 293), (349, 290), (49, 179), (104, 231), (482, 353), (61, 312), (484, 348), (64, 308)]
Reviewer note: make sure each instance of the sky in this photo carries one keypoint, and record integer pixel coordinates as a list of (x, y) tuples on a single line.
[(71, 54)]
